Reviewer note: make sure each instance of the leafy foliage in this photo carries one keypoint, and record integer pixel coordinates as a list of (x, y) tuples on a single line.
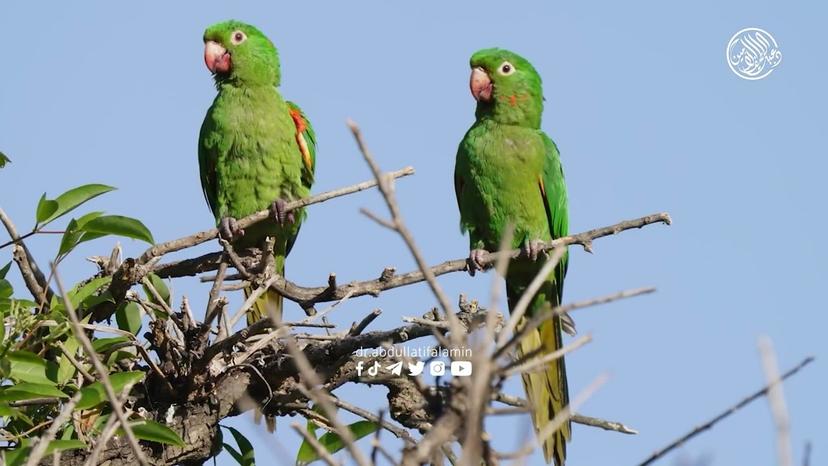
[(42, 363)]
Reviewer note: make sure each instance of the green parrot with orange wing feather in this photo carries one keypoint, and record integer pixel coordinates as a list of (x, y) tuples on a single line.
[(256, 150)]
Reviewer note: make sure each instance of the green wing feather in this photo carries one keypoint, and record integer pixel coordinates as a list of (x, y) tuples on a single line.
[(555, 202), (207, 168)]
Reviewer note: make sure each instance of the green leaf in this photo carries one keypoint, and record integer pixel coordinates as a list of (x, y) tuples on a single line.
[(35, 390), (18, 456), (65, 368), (6, 290), (95, 394), (63, 445), (85, 291), (156, 432), (5, 270), (234, 453), (245, 456), (73, 198), (28, 367), (332, 442), (74, 234), (102, 345), (4, 160), (128, 317), (160, 287), (45, 209), (8, 411), (120, 226)]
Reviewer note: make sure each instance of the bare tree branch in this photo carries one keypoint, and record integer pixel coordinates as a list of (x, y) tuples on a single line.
[(661, 452)]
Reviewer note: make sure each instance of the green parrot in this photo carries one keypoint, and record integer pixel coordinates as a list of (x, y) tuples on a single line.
[(508, 172), (256, 150)]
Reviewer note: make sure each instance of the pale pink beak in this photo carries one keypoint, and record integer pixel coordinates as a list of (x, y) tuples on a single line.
[(480, 85), (216, 58)]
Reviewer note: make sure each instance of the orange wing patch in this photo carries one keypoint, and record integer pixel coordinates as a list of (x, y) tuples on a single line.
[(301, 126), (542, 187)]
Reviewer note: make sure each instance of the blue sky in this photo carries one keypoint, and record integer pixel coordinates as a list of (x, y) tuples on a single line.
[(645, 111)]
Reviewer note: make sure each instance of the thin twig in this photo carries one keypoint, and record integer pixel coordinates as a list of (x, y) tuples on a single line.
[(100, 443), (710, 423), (387, 190), (614, 426)]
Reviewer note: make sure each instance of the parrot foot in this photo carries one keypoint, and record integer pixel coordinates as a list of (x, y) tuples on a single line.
[(229, 229), (533, 249), (279, 213), (475, 261)]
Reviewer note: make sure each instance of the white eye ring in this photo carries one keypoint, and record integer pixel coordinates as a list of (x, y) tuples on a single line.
[(506, 68), (238, 37)]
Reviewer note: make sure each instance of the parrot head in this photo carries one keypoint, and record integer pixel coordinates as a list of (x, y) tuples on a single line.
[(239, 53), (506, 86)]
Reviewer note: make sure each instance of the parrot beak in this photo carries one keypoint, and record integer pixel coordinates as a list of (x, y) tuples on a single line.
[(216, 58), (480, 85)]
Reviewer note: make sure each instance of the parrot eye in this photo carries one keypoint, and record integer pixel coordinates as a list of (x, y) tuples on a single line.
[(238, 37), (506, 68)]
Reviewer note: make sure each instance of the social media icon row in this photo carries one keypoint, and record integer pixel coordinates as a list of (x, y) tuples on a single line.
[(436, 368)]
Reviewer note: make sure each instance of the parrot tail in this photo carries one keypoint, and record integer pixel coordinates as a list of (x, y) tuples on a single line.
[(546, 389), (268, 304)]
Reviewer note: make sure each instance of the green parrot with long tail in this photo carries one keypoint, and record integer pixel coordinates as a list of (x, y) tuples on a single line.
[(508, 173), (256, 150)]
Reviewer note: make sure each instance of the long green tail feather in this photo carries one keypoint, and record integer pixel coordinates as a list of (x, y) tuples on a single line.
[(547, 390)]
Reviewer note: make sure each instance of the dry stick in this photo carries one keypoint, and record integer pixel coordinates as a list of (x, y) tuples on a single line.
[(117, 406), (707, 425), (313, 442), (106, 434), (357, 328), (207, 235), (210, 314), (373, 287), (387, 190), (32, 276), (40, 448), (776, 399), (614, 426)]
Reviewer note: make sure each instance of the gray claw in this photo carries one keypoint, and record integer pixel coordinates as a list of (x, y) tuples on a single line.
[(533, 249), (278, 212), (229, 229), (476, 260)]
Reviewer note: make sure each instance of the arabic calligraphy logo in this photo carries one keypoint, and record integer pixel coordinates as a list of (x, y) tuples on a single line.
[(752, 53)]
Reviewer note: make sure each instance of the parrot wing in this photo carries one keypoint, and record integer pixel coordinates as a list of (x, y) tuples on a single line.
[(553, 191), (306, 138)]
